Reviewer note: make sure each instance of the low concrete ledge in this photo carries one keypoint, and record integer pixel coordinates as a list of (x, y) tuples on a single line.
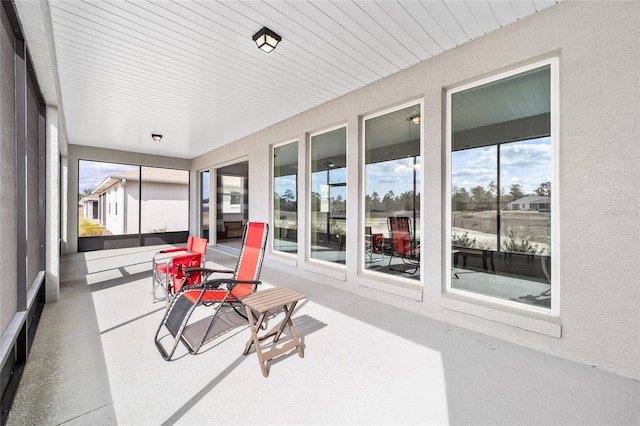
[(547, 325)]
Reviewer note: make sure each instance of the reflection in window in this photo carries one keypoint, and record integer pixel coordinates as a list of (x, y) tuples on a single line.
[(231, 194), (392, 189), (501, 188), (205, 184), (329, 196), (285, 198)]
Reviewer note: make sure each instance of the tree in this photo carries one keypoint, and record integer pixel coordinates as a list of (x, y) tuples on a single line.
[(315, 202), (289, 196), (85, 192), (515, 192), (376, 204), (389, 201), (289, 201), (460, 199), (338, 205), (493, 190), (544, 190)]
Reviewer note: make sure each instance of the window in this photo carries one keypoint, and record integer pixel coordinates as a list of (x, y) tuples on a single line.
[(164, 203), (329, 196), (231, 194), (501, 178), (392, 190), (285, 198), (114, 200), (205, 185)]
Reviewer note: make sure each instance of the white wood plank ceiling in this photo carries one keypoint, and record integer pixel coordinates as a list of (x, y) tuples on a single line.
[(190, 70)]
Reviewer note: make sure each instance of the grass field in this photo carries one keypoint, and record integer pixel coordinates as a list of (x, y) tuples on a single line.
[(532, 226)]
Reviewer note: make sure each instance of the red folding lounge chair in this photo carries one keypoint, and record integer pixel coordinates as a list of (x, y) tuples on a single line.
[(162, 267), (403, 245), (214, 292)]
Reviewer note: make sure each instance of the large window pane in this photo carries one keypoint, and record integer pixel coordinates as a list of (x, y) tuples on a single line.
[(329, 196), (205, 194), (113, 200), (392, 190), (165, 200), (232, 207), (285, 198), (501, 177), (108, 195), (473, 198)]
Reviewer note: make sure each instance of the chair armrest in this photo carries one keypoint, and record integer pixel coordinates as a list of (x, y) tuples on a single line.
[(165, 259), (173, 250), (217, 282), (205, 274), (207, 271)]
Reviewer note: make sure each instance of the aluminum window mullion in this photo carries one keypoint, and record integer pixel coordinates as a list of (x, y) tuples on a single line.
[(20, 54)]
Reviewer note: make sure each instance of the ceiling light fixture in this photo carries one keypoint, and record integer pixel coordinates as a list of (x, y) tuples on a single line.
[(328, 164), (266, 39), (156, 137), (415, 119)]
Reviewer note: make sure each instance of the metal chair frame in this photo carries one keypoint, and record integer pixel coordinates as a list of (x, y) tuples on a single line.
[(403, 245), (214, 292), (162, 266)]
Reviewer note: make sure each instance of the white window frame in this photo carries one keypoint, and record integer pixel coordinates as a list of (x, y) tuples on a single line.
[(553, 63), (361, 191), (271, 206), (334, 270)]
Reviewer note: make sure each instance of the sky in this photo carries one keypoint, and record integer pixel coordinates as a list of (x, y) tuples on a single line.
[(91, 173), (396, 176), (527, 163)]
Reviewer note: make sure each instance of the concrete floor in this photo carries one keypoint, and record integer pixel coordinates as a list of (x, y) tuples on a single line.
[(94, 362)]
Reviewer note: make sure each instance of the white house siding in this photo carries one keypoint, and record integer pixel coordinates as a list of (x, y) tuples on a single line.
[(130, 207), (164, 205), (597, 46), (114, 218)]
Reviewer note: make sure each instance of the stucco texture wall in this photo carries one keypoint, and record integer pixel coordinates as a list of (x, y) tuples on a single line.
[(600, 201), (597, 44)]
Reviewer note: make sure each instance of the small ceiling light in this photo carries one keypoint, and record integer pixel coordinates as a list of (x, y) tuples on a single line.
[(266, 39), (156, 137), (328, 164), (415, 119)]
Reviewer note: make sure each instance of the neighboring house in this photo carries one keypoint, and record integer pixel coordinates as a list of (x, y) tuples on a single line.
[(164, 203), (531, 202), (88, 207)]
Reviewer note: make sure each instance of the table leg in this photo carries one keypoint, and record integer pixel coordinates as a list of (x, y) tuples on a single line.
[(287, 322), (272, 353)]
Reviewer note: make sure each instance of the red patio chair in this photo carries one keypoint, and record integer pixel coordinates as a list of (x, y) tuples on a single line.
[(214, 292), (163, 273), (403, 245)]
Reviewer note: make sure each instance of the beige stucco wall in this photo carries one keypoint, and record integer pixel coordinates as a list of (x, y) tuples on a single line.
[(598, 45)]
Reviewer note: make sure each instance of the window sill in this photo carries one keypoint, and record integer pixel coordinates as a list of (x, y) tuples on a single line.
[(327, 271), (540, 323), (284, 258), (397, 288)]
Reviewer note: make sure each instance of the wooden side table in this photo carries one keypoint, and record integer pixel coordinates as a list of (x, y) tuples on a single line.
[(263, 302)]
